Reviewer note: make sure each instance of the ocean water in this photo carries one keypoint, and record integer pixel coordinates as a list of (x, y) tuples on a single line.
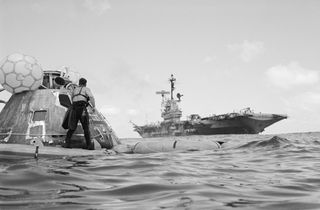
[(249, 172)]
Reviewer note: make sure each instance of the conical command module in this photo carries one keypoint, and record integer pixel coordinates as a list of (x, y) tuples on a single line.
[(243, 122)]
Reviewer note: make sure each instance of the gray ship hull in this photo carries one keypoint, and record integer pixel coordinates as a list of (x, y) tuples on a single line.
[(239, 125)]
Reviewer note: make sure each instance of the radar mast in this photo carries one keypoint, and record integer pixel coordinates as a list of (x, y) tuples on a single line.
[(172, 81)]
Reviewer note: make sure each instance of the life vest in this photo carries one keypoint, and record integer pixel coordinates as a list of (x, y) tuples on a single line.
[(80, 94)]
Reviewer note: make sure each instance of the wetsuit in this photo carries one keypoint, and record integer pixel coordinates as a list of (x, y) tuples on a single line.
[(79, 111)]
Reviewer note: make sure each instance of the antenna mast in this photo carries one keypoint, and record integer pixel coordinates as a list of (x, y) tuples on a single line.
[(162, 93), (172, 81)]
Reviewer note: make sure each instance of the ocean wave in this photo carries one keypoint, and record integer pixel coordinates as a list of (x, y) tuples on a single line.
[(274, 142), (249, 172)]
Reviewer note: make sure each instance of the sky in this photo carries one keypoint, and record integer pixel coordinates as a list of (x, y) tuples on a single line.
[(225, 54)]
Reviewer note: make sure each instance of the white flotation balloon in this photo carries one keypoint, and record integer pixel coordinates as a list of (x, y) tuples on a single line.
[(144, 147), (20, 73)]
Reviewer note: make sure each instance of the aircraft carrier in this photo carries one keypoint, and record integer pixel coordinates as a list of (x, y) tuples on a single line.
[(242, 122)]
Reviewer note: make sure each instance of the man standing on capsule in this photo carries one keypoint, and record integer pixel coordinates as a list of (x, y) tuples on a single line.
[(81, 95)]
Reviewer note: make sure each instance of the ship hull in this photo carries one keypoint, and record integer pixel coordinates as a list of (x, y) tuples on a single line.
[(240, 125), (251, 124)]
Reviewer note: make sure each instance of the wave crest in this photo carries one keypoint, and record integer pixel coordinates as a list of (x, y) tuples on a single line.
[(273, 142)]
